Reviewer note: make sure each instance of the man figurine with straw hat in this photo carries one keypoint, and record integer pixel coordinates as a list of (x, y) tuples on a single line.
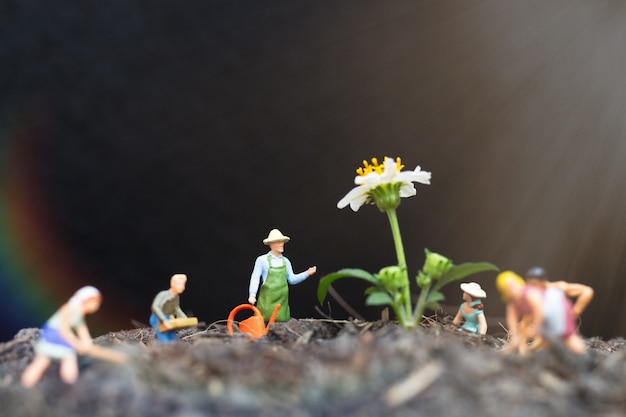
[(471, 311), (274, 272)]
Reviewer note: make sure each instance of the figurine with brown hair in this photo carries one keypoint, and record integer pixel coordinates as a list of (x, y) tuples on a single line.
[(471, 311)]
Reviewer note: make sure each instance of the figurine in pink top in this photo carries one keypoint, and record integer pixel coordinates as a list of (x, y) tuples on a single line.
[(580, 293), (544, 312)]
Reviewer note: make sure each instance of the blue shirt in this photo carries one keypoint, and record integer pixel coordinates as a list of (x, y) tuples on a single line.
[(262, 267)]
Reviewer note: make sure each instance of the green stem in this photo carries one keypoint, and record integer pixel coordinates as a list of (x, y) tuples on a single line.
[(398, 309), (397, 240), (419, 307)]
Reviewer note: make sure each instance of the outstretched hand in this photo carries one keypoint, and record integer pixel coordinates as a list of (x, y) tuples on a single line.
[(84, 346)]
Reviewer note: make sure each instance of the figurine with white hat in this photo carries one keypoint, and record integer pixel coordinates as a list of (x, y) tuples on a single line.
[(471, 311), (63, 336), (274, 272)]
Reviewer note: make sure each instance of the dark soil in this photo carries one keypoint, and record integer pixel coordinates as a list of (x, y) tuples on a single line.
[(322, 368)]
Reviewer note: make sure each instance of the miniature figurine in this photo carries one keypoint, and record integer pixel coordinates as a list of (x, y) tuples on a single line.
[(275, 271), (166, 307), (64, 334), (471, 311), (547, 310), (580, 293)]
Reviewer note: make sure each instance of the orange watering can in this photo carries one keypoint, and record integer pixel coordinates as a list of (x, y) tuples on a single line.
[(254, 325)]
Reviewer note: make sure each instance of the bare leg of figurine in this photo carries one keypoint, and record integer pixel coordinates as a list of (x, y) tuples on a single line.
[(69, 369), (576, 344), (523, 332), (32, 374)]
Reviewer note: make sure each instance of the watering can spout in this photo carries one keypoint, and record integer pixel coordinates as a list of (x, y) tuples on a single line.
[(272, 317)]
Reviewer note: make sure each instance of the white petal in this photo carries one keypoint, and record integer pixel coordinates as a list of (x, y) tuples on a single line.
[(371, 180), (357, 195), (407, 190), (356, 203), (414, 176), (422, 176), (389, 172)]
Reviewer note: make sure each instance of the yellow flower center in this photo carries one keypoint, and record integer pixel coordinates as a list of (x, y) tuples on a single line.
[(376, 167)]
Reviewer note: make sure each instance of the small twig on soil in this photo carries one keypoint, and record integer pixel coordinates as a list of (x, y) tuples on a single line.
[(413, 385), (289, 329), (335, 322), (137, 324), (507, 339), (209, 327), (344, 304), (428, 321), (366, 327), (328, 320), (505, 331), (384, 315), (304, 339), (326, 316)]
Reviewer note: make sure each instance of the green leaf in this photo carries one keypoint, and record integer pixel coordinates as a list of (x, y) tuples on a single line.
[(322, 288), (375, 288), (378, 299), (432, 300), (435, 297), (461, 271), (431, 306)]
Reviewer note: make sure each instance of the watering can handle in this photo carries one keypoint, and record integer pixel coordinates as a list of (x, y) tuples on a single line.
[(231, 316)]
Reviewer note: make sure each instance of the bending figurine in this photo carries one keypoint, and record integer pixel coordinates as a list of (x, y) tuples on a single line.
[(166, 305), (580, 293), (64, 334), (275, 272), (471, 311), (544, 312)]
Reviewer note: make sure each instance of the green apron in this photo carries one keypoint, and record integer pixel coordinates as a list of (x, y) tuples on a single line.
[(274, 291)]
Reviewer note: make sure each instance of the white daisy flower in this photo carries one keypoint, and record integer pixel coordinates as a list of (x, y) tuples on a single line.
[(383, 184)]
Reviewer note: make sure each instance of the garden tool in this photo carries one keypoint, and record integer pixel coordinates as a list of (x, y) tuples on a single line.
[(254, 325)]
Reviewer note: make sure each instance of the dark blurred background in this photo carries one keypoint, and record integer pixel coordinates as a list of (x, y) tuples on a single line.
[(145, 138)]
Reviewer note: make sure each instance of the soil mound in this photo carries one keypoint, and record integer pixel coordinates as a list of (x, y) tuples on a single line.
[(322, 368)]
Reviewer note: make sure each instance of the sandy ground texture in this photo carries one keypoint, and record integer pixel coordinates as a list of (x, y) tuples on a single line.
[(312, 368)]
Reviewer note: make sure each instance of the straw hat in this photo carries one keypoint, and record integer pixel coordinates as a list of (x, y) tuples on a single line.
[(275, 236), (474, 290)]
